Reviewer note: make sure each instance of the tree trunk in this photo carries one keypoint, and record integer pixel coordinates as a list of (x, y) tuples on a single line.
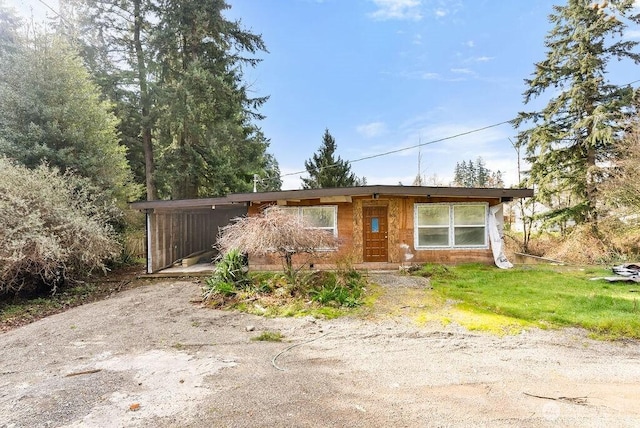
[(288, 260), (145, 106), (591, 188)]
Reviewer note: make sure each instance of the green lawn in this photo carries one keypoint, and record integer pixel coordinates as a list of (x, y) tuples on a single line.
[(544, 296)]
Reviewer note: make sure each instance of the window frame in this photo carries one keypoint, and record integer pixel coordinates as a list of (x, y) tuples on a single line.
[(451, 227), (298, 210)]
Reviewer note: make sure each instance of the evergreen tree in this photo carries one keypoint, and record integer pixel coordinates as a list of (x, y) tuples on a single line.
[(9, 23), (175, 69), (573, 137), (325, 170), (482, 173), (272, 181), (51, 112), (116, 39), (211, 147), (495, 179), (476, 174), (457, 174)]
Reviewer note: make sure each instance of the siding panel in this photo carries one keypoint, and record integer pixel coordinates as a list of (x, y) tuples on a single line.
[(178, 233)]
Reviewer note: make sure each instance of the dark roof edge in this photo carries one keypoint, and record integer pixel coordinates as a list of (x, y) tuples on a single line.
[(180, 203), (383, 190), (238, 198)]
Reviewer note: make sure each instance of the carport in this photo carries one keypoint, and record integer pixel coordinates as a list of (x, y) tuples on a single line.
[(181, 228)]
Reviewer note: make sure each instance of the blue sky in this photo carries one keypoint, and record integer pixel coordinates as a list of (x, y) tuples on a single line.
[(386, 74)]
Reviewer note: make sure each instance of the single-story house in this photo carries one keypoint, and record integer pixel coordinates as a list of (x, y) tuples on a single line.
[(377, 227)]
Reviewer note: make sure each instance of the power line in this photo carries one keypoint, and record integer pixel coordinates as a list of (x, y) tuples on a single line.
[(419, 144), (54, 11), (390, 152)]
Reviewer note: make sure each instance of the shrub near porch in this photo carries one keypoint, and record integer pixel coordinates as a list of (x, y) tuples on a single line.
[(319, 293)]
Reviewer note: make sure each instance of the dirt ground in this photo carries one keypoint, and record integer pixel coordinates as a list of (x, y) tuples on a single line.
[(151, 357)]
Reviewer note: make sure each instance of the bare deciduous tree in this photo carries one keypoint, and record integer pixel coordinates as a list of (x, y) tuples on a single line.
[(622, 189), (275, 231)]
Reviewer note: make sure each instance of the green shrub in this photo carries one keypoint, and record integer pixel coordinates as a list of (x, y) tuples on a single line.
[(344, 288), (229, 276), (273, 294), (231, 268)]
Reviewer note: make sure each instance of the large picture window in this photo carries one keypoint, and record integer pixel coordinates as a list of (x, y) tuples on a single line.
[(323, 217), (450, 225)]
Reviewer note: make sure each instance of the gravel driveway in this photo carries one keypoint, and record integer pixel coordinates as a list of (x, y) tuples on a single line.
[(150, 357)]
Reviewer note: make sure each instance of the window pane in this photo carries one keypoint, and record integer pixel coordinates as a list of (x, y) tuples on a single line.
[(375, 225), (433, 236), (469, 236), (433, 215), (319, 216), (468, 215)]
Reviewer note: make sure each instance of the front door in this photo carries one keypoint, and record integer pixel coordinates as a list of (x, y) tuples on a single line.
[(375, 234)]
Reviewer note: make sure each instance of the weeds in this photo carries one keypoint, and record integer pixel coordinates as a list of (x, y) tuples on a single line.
[(338, 290), (318, 293), (268, 336)]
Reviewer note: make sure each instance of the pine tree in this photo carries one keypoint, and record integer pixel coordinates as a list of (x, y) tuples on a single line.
[(325, 170), (271, 181), (476, 174), (9, 23), (457, 174), (573, 137), (51, 111), (175, 70), (482, 173)]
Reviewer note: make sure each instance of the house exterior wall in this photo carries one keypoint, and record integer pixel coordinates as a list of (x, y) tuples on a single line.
[(345, 237), (401, 249), (174, 234), (401, 232)]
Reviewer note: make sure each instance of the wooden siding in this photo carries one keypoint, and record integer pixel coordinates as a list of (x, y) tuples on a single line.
[(400, 234), (446, 256), (345, 237), (175, 234)]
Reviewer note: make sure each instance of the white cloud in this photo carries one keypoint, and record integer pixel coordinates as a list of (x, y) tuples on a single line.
[(397, 9), (430, 76), (441, 13), (632, 34), (469, 142), (470, 43), (451, 140), (483, 58), (370, 130), (462, 71)]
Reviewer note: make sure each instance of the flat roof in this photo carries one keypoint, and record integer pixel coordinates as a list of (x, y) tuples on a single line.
[(505, 194)]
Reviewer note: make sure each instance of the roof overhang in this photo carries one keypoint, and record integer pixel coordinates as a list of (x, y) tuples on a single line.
[(182, 204), (339, 194), (377, 191)]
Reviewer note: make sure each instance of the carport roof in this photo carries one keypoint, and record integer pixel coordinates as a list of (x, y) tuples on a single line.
[(504, 195)]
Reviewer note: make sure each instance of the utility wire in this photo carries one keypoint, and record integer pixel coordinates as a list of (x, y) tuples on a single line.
[(390, 152), (63, 19), (417, 145)]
